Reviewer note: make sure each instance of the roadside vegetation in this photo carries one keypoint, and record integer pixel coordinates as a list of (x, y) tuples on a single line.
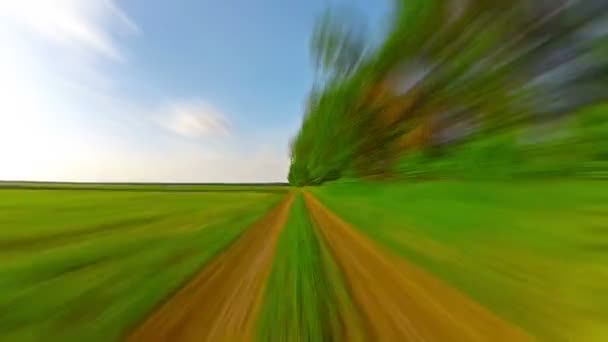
[(89, 265), (472, 140), (459, 89), (533, 252)]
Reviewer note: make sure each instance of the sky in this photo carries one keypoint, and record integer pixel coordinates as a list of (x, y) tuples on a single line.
[(155, 91)]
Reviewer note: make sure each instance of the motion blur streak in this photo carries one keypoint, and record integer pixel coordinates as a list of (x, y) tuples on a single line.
[(460, 89), (449, 182), (473, 141)]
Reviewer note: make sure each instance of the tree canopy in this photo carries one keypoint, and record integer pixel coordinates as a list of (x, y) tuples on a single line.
[(454, 86)]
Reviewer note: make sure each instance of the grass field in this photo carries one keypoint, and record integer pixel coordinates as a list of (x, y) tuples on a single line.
[(146, 187), (87, 265), (534, 252)]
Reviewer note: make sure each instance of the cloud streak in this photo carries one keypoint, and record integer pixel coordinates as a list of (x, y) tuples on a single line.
[(82, 26), (194, 119)]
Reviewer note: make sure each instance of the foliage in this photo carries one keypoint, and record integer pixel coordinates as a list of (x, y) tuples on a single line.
[(450, 72)]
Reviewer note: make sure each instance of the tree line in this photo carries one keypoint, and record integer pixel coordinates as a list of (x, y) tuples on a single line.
[(467, 89)]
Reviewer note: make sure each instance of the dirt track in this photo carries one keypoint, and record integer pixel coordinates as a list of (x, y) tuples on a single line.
[(396, 301), (220, 303), (400, 301)]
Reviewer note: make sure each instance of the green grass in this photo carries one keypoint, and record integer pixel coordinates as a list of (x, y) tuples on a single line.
[(536, 253), (165, 187), (89, 265), (305, 298)]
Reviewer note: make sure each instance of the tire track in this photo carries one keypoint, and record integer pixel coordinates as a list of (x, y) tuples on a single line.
[(400, 301), (220, 303)]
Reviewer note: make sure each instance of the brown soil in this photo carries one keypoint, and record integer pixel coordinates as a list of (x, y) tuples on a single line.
[(220, 303), (400, 301)]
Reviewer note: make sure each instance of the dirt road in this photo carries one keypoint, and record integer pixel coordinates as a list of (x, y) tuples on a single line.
[(400, 301), (220, 304), (394, 300)]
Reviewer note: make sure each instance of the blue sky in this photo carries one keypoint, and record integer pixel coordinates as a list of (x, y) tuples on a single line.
[(139, 90)]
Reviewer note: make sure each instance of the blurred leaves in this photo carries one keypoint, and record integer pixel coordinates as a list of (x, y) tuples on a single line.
[(449, 75), (337, 44)]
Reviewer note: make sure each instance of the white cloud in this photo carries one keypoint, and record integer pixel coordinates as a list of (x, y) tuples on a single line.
[(79, 25), (194, 119), (62, 116)]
